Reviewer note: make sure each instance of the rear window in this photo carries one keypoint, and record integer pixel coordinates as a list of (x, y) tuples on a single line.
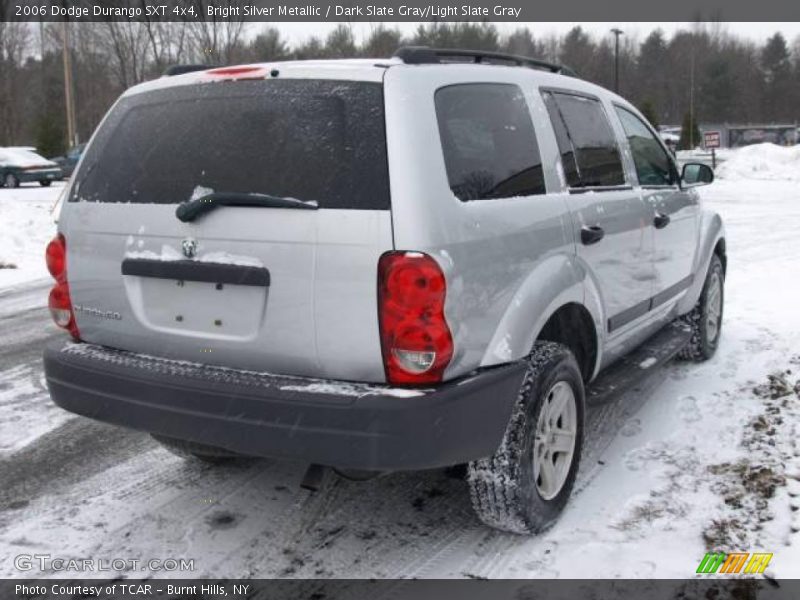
[(589, 152), (312, 140), (489, 145)]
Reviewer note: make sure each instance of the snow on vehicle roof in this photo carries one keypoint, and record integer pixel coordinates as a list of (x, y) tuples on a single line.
[(17, 155), (356, 69), (352, 69)]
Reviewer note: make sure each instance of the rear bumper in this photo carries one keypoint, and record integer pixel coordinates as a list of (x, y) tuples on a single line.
[(347, 425), (44, 175)]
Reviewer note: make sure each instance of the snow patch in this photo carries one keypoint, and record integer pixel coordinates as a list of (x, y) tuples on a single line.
[(762, 161), (225, 258), (26, 226), (199, 191), (356, 390)]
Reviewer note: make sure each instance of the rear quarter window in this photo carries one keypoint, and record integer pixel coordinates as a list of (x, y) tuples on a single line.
[(313, 140), (488, 141)]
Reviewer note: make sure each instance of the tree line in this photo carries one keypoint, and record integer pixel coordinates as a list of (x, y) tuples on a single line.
[(701, 69)]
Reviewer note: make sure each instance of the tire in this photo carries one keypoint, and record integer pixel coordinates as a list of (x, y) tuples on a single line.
[(45, 183), (505, 491), (208, 454), (705, 319), (11, 181)]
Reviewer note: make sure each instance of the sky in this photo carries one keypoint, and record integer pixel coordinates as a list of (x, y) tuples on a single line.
[(758, 32)]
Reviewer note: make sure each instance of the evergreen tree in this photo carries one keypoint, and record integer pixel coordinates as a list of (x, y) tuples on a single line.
[(716, 89), (690, 134), (50, 136), (340, 43), (777, 73), (649, 112), (521, 42), (268, 46), (382, 42)]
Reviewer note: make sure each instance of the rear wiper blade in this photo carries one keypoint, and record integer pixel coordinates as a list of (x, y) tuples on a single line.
[(189, 211)]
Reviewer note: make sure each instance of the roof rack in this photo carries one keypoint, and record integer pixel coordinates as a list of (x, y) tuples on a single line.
[(181, 69), (424, 55)]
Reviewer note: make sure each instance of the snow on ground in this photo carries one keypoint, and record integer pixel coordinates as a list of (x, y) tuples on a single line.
[(26, 226), (702, 457), (761, 162)]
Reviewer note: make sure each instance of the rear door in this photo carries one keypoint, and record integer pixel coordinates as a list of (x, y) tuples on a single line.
[(673, 210), (288, 288), (612, 225)]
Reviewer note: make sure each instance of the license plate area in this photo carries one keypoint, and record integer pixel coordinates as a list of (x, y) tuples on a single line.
[(204, 300)]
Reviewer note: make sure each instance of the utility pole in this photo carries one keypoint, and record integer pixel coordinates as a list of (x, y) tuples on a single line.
[(617, 33), (72, 135), (691, 98)]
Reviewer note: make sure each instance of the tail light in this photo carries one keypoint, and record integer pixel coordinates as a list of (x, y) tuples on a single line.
[(59, 302), (415, 340)]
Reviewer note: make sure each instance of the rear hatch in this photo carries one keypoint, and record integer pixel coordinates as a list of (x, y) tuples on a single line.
[(287, 180)]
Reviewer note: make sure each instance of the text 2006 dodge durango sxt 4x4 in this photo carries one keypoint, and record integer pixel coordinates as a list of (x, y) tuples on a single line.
[(380, 265)]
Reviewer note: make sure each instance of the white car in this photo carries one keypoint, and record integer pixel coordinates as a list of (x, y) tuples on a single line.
[(21, 165)]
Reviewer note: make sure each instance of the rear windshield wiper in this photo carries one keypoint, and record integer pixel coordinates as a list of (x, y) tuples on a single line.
[(189, 211)]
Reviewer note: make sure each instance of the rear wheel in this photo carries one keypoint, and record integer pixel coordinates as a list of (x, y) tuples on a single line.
[(524, 486), (705, 320), (209, 454), (45, 183), (11, 181)]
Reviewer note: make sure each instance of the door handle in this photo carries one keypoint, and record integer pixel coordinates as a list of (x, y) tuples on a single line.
[(661, 220), (591, 235)]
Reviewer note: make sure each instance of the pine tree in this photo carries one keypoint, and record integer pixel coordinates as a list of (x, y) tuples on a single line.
[(49, 135), (649, 112), (689, 141)]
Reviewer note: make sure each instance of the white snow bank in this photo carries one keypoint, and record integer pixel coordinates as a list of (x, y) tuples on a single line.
[(762, 161), (26, 226)]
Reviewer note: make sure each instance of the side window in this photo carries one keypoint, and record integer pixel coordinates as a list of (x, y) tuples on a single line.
[(653, 165), (489, 145), (588, 148)]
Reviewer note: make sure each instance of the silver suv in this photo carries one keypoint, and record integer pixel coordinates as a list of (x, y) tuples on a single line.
[(377, 265)]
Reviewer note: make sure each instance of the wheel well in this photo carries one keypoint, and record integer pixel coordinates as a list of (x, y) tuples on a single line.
[(719, 250), (572, 325)]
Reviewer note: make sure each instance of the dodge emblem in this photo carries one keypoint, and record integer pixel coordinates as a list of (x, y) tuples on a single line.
[(189, 247)]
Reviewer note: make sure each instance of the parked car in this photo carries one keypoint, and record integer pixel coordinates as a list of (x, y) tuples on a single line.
[(20, 165), (387, 265), (68, 162)]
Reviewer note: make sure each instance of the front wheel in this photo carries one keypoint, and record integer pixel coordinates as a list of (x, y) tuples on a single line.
[(45, 183), (525, 485), (705, 320)]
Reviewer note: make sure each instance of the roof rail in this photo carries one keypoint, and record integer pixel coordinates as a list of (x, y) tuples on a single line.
[(424, 55), (181, 69)]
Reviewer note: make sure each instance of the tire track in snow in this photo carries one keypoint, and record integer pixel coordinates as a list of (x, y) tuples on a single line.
[(458, 557)]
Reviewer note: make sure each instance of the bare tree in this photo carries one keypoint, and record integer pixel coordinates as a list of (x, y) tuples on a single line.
[(15, 39), (216, 40), (127, 45)]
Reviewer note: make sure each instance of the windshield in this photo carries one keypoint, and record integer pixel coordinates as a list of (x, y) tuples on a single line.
[(310, 140)]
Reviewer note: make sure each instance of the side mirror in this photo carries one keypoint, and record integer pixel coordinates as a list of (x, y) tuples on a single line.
[(695, 174)]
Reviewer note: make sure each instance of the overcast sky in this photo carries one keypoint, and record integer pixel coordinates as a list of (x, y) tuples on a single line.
[(297, 32)]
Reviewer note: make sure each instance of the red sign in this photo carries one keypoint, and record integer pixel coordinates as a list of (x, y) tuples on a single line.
[(711, 139)]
